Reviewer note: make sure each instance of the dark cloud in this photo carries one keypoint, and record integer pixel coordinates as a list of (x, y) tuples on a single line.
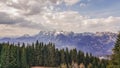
[(6, 19), (19, 21)]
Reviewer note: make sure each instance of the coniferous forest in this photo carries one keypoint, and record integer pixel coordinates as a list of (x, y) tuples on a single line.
[(40, 54)]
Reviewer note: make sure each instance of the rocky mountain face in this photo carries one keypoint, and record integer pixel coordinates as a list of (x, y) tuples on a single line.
[(99, 43)]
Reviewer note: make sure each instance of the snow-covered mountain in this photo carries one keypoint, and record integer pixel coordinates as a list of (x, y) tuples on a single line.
[(99, 43)]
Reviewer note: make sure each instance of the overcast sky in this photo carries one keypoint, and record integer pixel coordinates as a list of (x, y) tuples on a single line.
[(19, 17)]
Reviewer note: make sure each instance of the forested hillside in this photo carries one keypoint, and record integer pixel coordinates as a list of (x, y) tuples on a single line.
[(40, 54)]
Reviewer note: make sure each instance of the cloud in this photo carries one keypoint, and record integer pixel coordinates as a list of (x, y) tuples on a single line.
[(35, 15), (27, 7), (103, 24), (12, 31), (71, 2), (30, 7), (83, 4), (7, 19), (73, 21)]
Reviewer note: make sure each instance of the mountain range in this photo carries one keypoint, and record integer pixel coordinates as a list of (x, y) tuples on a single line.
[(99, 43)]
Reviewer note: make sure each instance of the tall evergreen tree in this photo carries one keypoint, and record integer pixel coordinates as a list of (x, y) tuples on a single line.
[(67, 57), (51, 49), (74, 55), (80, 57), (18, 56), (62, 52), (13, 57), (115, 60), (57, 57), (23, 57), (5, 56)]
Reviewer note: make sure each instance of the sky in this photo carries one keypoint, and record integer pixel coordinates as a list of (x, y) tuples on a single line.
[(19, 17)]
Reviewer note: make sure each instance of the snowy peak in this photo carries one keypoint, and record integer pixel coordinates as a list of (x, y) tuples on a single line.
[(104, 33), (99, 43), (55, 33)]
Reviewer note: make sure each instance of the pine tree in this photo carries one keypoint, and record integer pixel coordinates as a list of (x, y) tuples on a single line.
[(67, 57), (13, 57), (51, 49), (57, 57), (46, 56), (23, 57), (80, 57), (62, 52), (115, 60), (18, 56), (5, 56), (74, 55), (87, 59)]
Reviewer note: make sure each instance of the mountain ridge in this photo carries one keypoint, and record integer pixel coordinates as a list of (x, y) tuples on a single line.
[(99, 43)]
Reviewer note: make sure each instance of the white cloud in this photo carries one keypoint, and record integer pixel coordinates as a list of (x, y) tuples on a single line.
[(71, 2), (73, 21)]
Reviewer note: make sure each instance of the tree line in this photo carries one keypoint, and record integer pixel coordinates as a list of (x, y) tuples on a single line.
[(40, 54)]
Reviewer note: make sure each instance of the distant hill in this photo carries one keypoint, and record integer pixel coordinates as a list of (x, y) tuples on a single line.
[(99, 43)]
